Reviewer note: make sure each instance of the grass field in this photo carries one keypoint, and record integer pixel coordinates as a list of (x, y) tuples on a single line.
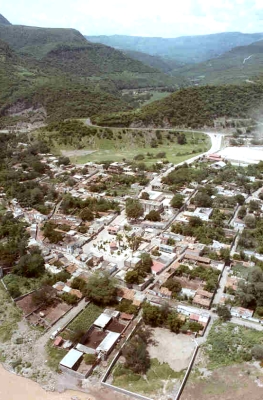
[(55, 355), (9, 315), (130, 146), (230, 344), (156, 96), (159, 376), (86, 318)]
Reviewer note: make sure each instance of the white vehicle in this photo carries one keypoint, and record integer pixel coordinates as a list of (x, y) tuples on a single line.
[(55, 333)]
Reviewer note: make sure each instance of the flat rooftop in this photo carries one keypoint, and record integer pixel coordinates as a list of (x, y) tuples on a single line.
[(71, 358)]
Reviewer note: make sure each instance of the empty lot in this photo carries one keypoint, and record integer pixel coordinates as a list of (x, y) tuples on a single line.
[(176, 350)]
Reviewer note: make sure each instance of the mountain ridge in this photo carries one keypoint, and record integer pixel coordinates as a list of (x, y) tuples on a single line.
[(187, 49)]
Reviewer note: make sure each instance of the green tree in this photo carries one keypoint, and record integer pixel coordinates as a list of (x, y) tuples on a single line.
[(257, 352), (132, 277), (223, 312), (86, 214), (136, 355), (30, 266), (145, 196), (153, 216), (177, 201), (134, 209), (101, 289)]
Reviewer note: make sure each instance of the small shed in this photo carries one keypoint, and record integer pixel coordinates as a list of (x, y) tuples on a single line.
[(102, 321), (71, 358)]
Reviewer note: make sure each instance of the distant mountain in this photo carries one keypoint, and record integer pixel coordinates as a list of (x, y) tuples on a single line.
[(4, 21), (241, 64), (185, 49), (163, 64)]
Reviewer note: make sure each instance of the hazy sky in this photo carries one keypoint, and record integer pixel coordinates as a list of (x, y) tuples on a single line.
[(166, 18)]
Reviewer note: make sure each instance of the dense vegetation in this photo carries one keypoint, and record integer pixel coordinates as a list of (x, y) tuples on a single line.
[(59, 70), (193, 107)]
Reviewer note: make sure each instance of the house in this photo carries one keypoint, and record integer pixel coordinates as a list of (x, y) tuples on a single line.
[(157, 267), (241, 312), (238, 223), (113, 230), (107, 344), (165, 293), (203, 298), (132, 262), (150, 205)]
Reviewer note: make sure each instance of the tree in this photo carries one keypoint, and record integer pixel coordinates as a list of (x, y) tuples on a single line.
[(134, 209), (153, 216), (195, 222), (63, 160), (78, 283), (257, 352), (145, 196), (51, 234), (152, 315), (132, 277), (69, 298), (181, 139), (240, 199), (86, 214), (45, 295), (173, 285), (14, 290), (101, 289), (254, 205), (242, 212), (30, 266), (223, 313), (174, 322), (250, 221), (147, 262), (177, 201), (203, 200), (136, 355)]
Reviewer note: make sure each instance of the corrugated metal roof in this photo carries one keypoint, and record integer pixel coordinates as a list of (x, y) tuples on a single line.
[(108, 342), (71, 358)]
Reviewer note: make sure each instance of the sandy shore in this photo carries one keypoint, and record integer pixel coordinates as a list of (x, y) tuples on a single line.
[(14, 387)]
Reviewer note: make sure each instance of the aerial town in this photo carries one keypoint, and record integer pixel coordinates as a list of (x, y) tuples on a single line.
[(131, 200), (106, 273)]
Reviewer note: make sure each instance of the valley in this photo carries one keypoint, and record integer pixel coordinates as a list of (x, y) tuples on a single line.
[(131, 209)]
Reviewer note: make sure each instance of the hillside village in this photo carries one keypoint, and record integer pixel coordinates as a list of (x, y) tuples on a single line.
[(131, 212), (177, 252)]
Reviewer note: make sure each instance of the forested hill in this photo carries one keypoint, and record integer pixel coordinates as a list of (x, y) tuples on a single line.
[(193, 107), (60, 71), (236, 66), (3, 20), (186, 49)]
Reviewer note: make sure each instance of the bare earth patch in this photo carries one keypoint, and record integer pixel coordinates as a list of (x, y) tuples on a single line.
[(174, 349), (239, 382), (76, 153)]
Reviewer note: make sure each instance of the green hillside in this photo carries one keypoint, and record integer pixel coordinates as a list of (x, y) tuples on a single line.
[(236, 66), (193, 107), (58, 69), (185, 49)]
